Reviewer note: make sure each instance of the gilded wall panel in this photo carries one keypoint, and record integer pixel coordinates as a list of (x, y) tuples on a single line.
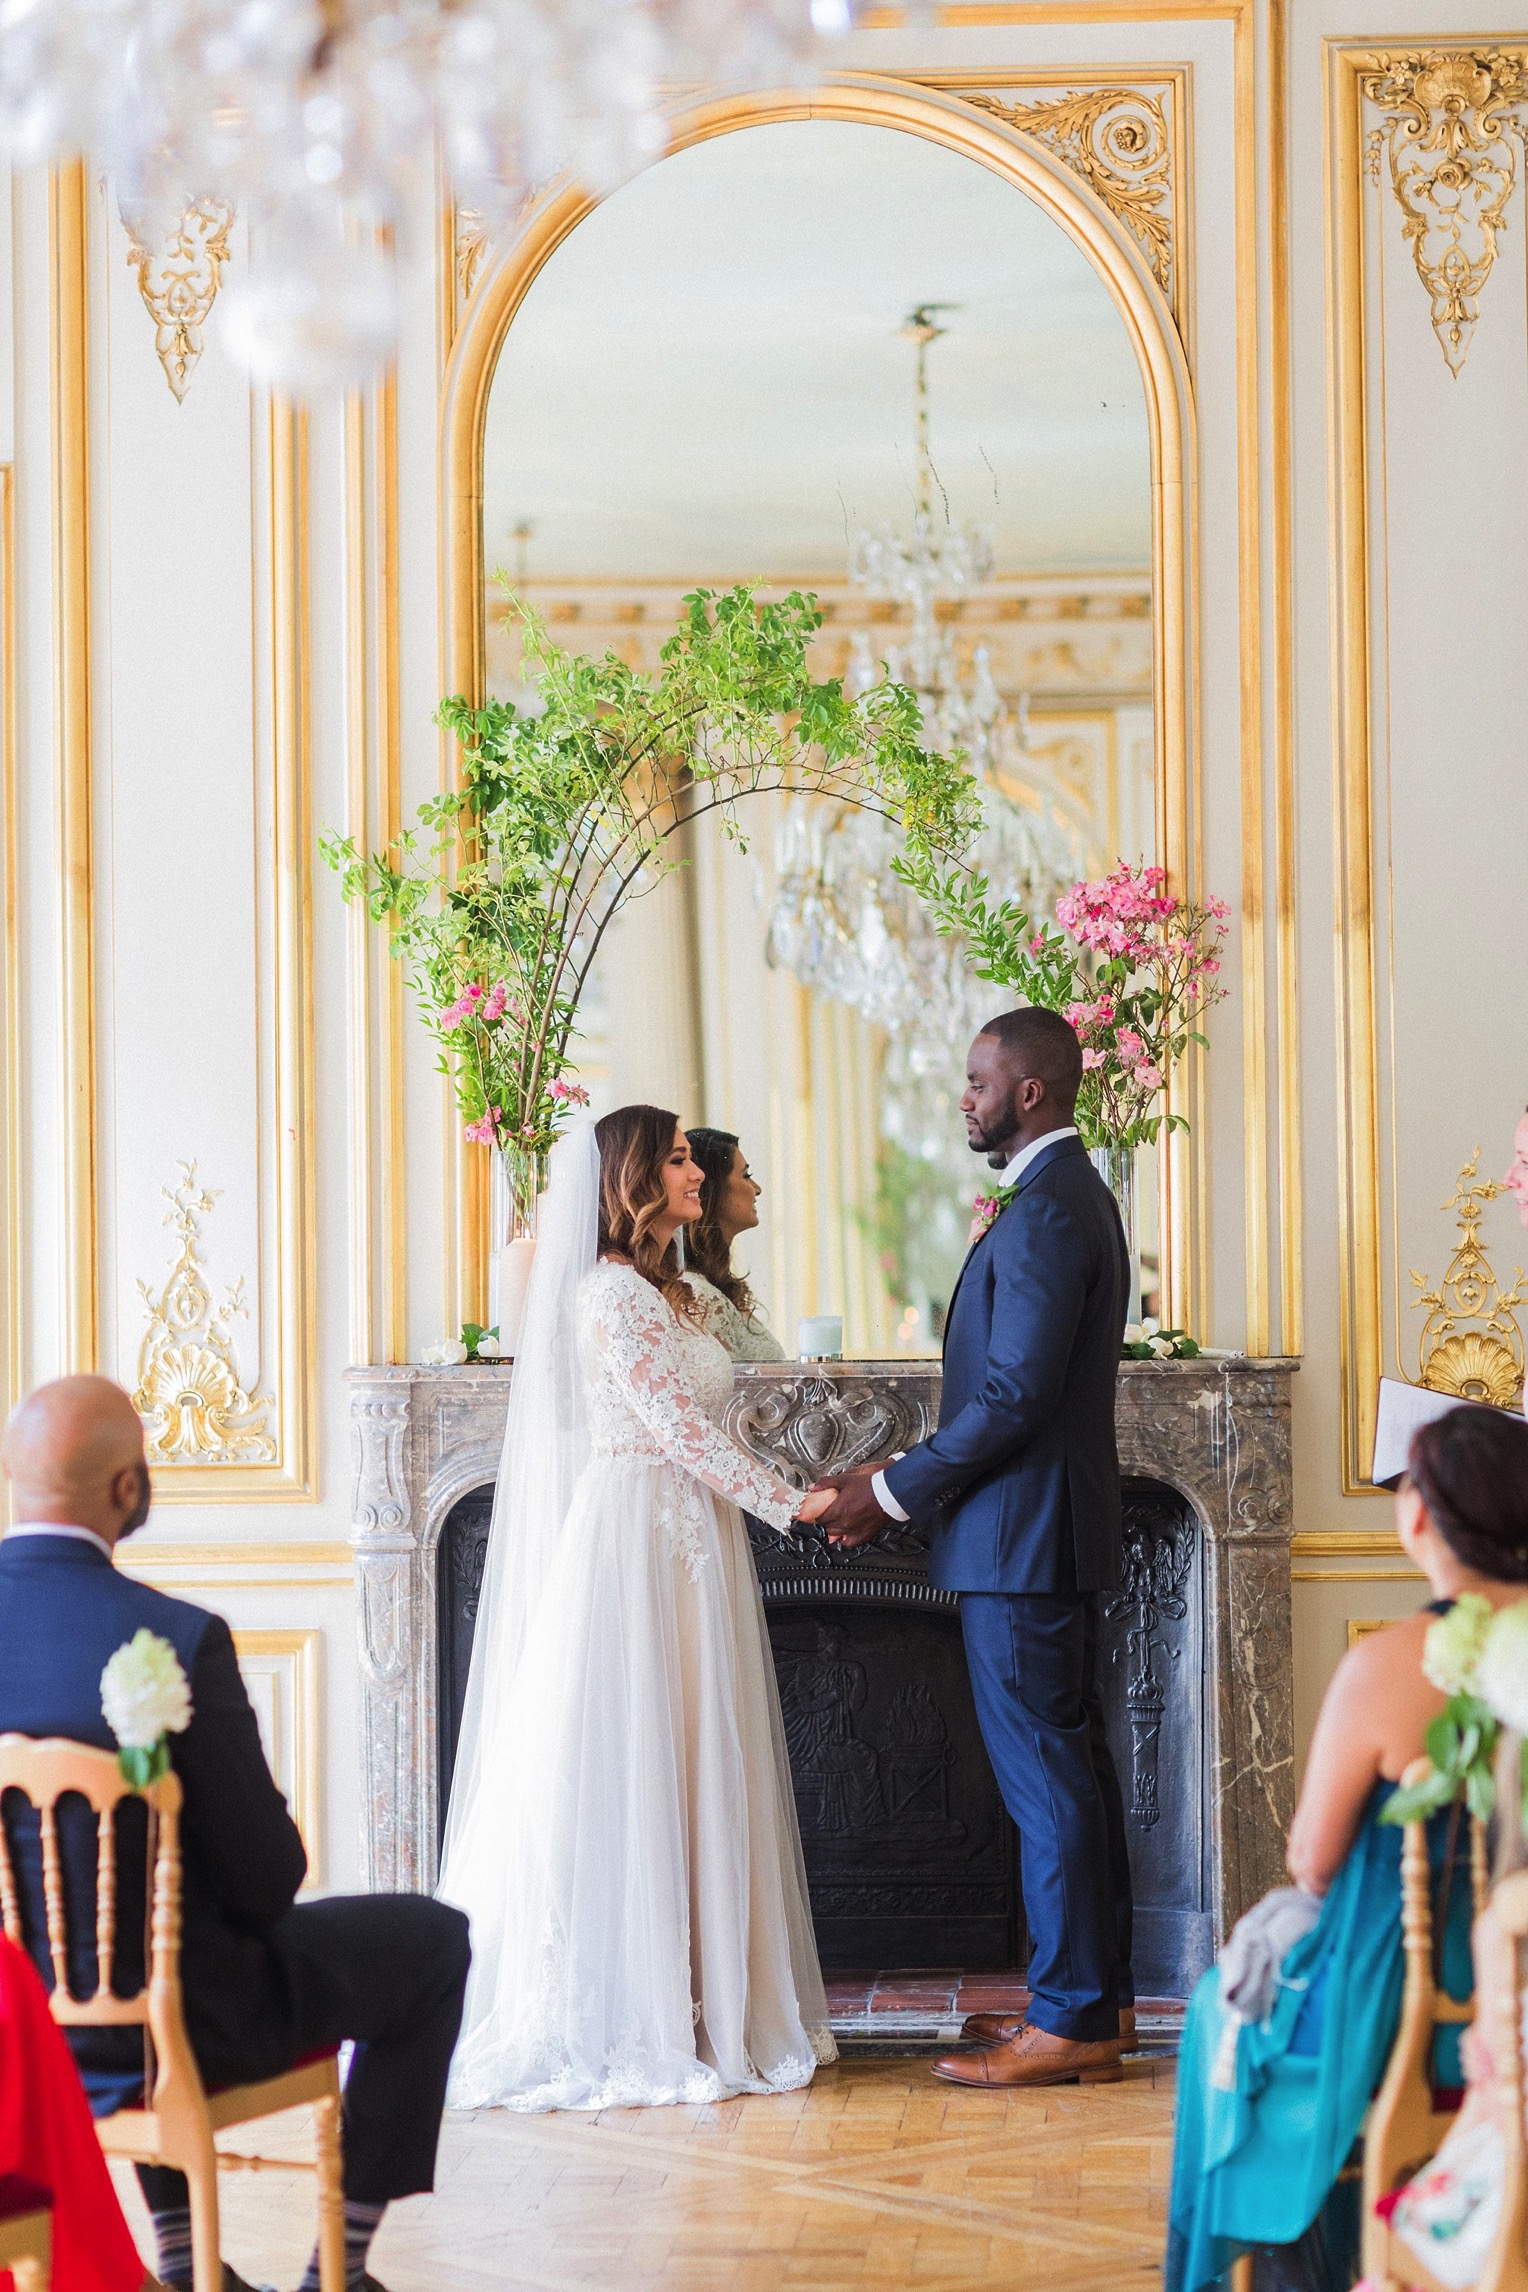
[(203, 909), (1429, 359)]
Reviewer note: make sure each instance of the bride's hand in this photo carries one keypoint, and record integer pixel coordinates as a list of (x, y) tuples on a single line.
[(814, 1504)]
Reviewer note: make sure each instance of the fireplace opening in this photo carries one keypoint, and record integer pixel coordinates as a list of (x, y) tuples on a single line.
[(911, 1858)]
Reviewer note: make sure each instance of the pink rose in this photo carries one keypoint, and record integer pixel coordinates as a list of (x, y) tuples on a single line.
[(1091, 1059)]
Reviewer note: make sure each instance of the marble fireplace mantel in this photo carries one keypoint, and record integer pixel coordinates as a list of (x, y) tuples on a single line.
[(1216, 1432)]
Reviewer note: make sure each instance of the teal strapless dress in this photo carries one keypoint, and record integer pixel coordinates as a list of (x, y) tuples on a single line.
[(1254, 2166)]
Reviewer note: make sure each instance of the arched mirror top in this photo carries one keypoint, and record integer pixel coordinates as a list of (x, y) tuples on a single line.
[(811, 331)]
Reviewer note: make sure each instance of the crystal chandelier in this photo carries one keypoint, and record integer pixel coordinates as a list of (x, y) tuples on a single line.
[(940, 561), (840, 919), (323, 122)]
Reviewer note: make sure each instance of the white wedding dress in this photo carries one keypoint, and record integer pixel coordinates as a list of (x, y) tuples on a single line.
[(625, 1841)]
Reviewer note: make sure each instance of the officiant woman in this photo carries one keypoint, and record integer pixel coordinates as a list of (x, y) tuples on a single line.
[(725, 1306)]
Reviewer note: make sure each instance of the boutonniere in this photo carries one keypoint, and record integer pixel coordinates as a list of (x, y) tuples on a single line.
[(985, 1209), (145, 1699)]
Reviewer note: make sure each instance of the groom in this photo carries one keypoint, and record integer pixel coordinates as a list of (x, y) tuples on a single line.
[(1021, 1487)]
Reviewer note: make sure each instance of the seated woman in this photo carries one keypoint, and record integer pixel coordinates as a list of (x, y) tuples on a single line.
[(1268, 2111), (725, 1307)]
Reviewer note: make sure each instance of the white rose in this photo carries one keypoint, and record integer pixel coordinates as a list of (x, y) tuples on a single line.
[(1162, 1348), (1501, 1675), (1133, 1333), (450, 1354), (144, 1692), (1150, 1325), (489, 1348)]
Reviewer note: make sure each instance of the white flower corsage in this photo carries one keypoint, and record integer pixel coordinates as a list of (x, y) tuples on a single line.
[(146, 1698)]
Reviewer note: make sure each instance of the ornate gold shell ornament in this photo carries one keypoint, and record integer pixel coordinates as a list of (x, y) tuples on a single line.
[(190, 1394), (179, 284), (1117, 140), (1471, 1343), (1452, 130)]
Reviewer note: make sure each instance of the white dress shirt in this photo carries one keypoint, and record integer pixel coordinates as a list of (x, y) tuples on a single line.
[(1012, 1173), (55, 1528)]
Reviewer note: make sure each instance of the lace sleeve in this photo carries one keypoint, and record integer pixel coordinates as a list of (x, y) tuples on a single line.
[(638, 1338)]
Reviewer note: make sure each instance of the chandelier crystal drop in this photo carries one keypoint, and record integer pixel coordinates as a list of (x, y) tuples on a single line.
[(323, 121)]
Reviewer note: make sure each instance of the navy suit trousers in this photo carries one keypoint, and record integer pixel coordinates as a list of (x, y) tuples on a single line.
[(389, 1971), (1033, 1658)]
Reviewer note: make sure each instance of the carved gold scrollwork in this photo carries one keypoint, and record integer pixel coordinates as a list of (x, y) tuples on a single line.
[(1452, 132), (179, 284), (471, 247), (190, 1394), (1482, 1360), (1117, 140)]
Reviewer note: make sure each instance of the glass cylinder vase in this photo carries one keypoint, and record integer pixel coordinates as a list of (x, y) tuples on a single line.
[(1116, 1166), (519, 1181)]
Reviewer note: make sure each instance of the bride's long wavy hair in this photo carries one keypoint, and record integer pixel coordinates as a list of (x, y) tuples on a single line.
[(635, 1142)]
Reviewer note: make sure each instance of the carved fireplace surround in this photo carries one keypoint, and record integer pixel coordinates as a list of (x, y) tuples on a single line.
[(1216, 1434)]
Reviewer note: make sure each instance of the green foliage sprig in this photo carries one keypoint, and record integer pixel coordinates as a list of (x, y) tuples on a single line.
[(499, 901)]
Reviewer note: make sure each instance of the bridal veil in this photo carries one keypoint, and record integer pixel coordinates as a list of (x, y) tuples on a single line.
[(546, 1446)]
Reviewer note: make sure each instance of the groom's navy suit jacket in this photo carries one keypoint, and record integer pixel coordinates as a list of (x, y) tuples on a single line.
[(1021, 1480), (64, 1610)]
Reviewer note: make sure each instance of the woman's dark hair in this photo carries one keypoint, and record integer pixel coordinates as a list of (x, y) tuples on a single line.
[(634, 1143), (706, 1248), (1470, 1468)]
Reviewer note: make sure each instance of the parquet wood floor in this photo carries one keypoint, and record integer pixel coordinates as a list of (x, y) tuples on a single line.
[(876, 2176)]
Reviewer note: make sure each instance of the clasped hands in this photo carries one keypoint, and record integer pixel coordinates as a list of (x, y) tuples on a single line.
[(844, 1505)]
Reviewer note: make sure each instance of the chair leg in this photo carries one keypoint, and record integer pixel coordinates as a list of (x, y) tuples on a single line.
[(206, 2257), (1241, 2273), (329, 2157)]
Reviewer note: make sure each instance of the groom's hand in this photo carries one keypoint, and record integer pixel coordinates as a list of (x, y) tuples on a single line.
[(854, 1517)]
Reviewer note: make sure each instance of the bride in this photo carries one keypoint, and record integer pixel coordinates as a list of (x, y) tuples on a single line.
[(621, 1830)]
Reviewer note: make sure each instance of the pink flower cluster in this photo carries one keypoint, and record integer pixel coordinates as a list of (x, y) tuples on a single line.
[(484, 1131), (567, 1094), (1130, 918), (485, 1004), (1117, 916)]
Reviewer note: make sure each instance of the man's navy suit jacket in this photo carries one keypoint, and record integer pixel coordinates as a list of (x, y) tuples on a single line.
[(64, 1610), (1021, 1481)]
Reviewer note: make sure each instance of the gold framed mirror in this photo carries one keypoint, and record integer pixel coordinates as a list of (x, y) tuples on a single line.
[(615, 432)]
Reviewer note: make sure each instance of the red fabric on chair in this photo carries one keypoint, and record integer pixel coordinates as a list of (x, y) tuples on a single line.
[(19, 2196), (47, 2137)]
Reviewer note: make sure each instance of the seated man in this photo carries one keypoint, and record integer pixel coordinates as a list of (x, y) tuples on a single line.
[(264, 1983)]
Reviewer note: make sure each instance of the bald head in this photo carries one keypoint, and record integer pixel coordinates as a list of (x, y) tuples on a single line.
[(73, 1454)]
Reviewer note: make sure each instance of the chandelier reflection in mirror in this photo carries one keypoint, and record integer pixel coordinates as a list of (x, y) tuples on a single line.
[(321, 120), (840, 920)]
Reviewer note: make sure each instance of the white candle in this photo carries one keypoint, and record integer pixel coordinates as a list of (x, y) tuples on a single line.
[(820, 1337)]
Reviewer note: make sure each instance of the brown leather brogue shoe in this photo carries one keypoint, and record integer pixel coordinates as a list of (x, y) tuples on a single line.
[(1035, 2057), (1003, 2028)]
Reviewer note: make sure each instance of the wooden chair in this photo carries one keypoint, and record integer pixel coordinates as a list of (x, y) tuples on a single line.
[(180, 2118), (1406, 2127), (26, 2233)]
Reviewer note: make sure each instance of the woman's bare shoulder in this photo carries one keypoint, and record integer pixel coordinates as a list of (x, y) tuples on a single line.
[(1388, 1656)]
